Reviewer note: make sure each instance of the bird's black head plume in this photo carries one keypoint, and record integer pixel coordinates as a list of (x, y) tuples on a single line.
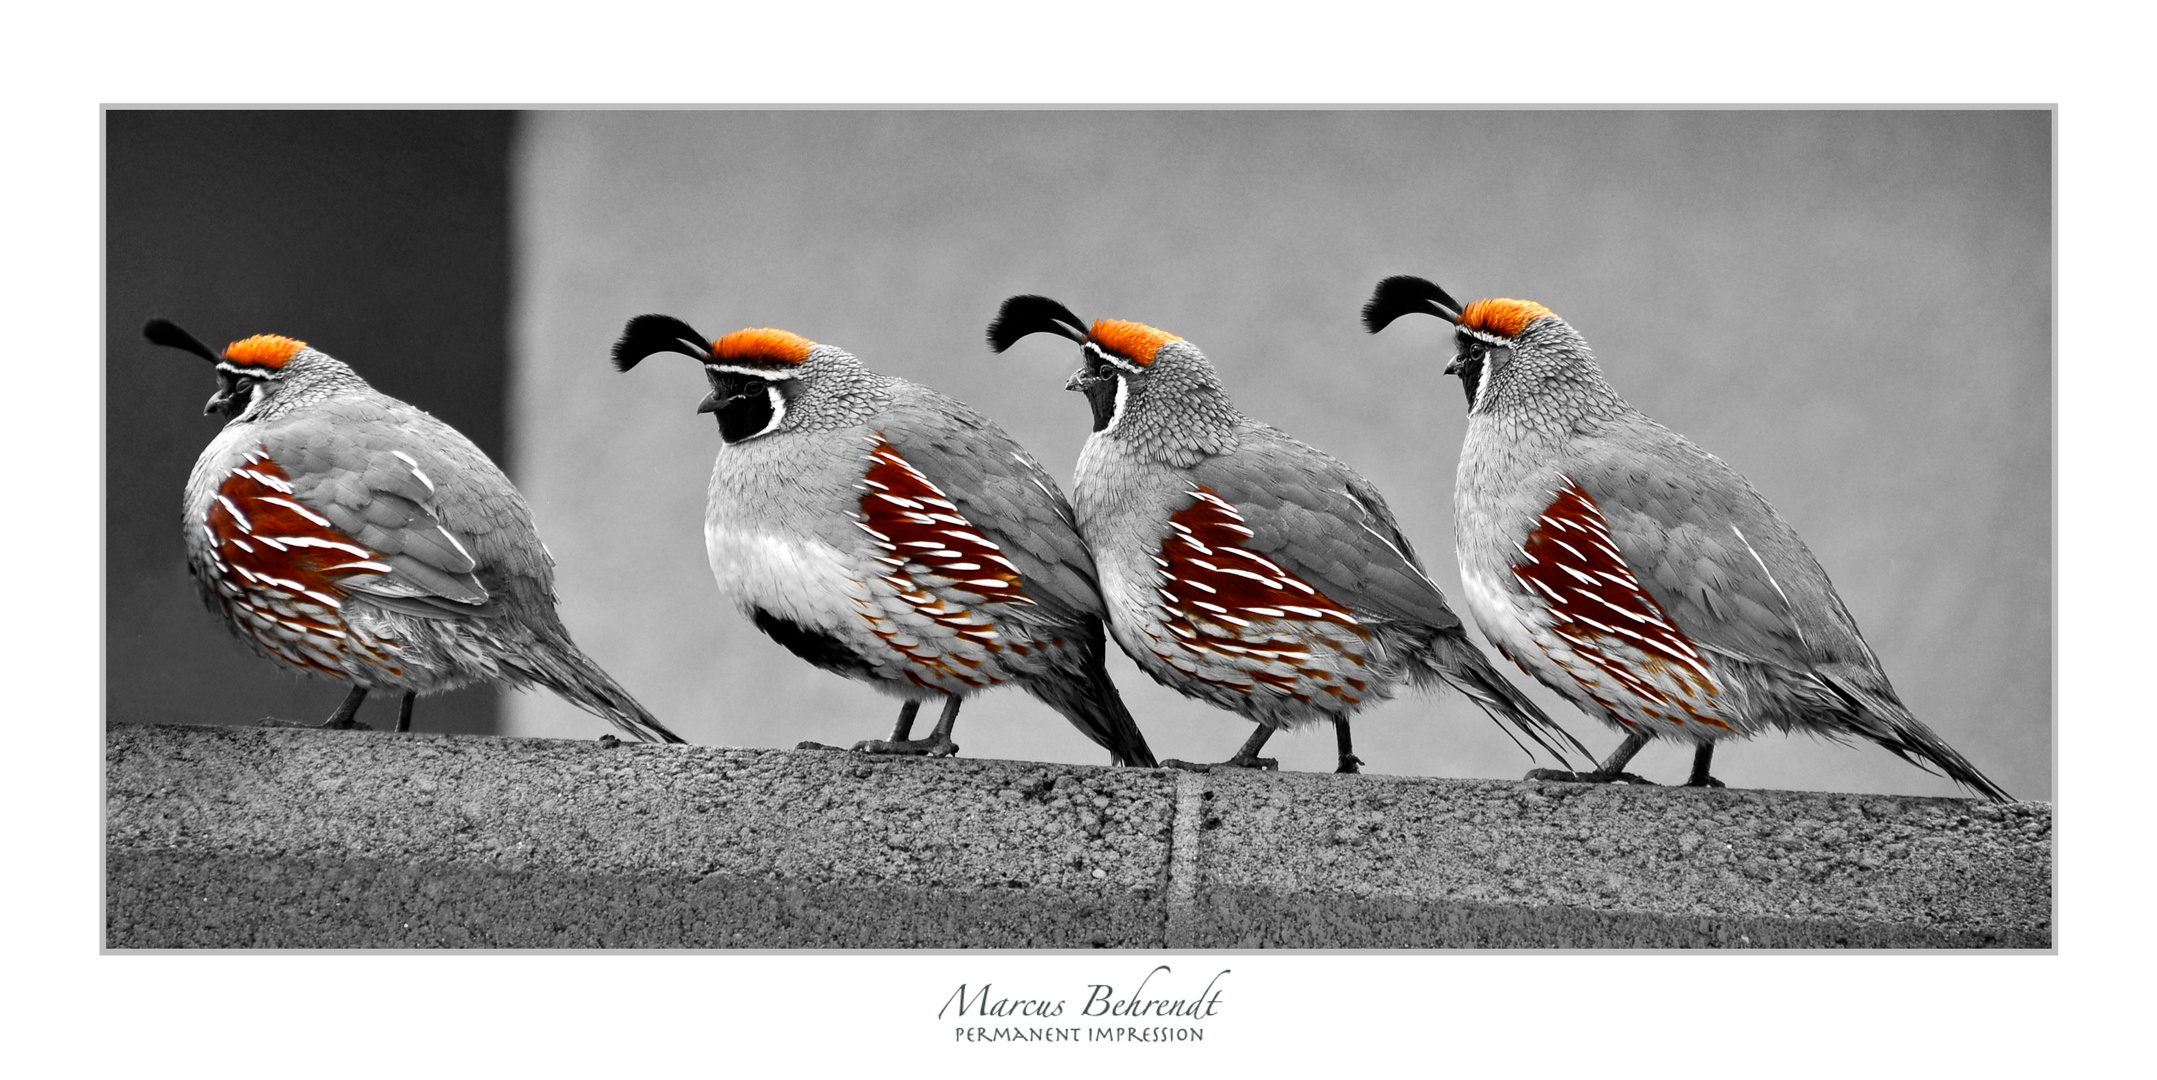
[(167, 333), (1029, 314), (648, 334), (1406, 295)]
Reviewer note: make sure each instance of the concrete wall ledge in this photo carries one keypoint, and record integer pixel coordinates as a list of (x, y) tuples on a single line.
[(234, 837)]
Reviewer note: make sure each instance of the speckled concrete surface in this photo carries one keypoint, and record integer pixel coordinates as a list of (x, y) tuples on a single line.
[(275, 838), (246, 837), (1392, 862)]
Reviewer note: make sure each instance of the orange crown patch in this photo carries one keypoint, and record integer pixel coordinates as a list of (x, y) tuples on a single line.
[(1504, 318), (263, 351), (764, 345), (1135, 341)]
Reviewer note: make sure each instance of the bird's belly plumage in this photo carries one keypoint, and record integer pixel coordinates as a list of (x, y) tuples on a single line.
[(1214, 621), (858, 608)]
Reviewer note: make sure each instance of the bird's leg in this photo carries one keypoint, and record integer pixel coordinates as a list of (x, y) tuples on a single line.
[(1609, 772), (1349, 760), (901, 732), (1700, 777), (1246, 758), (341, 720), (404, 711), (904, 728), (938, 744)]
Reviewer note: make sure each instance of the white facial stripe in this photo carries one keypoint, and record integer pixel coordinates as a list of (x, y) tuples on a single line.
[(1483, 381), (1123, 394), (778, 411), (761, 373), (1113, 359)]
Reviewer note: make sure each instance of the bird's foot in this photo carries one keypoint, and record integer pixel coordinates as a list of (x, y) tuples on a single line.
[(1237, 762), (929, 747), (609, 742), (1349, 763), (1704, 782), (1597, 777), (811, 744)]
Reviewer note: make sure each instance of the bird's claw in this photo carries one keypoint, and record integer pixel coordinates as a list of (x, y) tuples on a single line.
[(1349, 764), (909, 747), (1569, 777), (1231, 763), (1704, 782)]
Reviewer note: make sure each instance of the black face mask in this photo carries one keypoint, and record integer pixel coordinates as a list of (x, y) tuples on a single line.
[(741, 403)]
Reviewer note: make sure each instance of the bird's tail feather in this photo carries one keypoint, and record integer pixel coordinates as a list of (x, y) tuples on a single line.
[(564, 669), (1090, 701), (1884, 720), (1462, 666)]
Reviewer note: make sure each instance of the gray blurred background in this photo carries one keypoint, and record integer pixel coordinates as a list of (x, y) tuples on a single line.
[(1852, 308)]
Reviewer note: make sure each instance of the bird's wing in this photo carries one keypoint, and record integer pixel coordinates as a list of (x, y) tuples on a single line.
[(1001, 492), (1320, 521), (1729, 573), (400, 508)]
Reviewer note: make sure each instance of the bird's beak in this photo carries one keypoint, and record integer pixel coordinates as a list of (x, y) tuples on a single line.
[(1454, 367), (1077, 381), (711, 402), (219, 403)]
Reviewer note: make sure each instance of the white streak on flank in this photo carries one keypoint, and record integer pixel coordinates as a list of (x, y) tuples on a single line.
[(1196, 546), (1524, 553), (1568, 547), (1157, 560), (243, 545), (1167, 596), (864, 527), (1210, 590), (453, 543), (1215, 608), (1584, 579), (310, 541), (266, 480), (946, 553), (1190, 635), (970, 538), (874, 484), (296, 508), (914, 516), (900, 500), (945, 503), (962, 566), (1227, 618), (1544, 589), (272, 541), (365, 564), (1306, 612), (949, 520), (923, 543), (989, 582), (243, 572), (1554, 523), (1262, 580), (245, 525), (1269, 564), (1008, 564), (1271, 613), (414, 466), (1298, 586), (1204, 565), (1770, 576)]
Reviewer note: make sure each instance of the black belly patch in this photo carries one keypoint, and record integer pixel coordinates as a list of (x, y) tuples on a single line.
[(815, 646)]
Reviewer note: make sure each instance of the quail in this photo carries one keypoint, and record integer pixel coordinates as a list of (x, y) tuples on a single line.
[(349, 535), (885, 532), (1244, 568), (1635, 573)]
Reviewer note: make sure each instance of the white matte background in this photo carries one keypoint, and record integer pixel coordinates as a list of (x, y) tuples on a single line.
[(1852, 308)]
